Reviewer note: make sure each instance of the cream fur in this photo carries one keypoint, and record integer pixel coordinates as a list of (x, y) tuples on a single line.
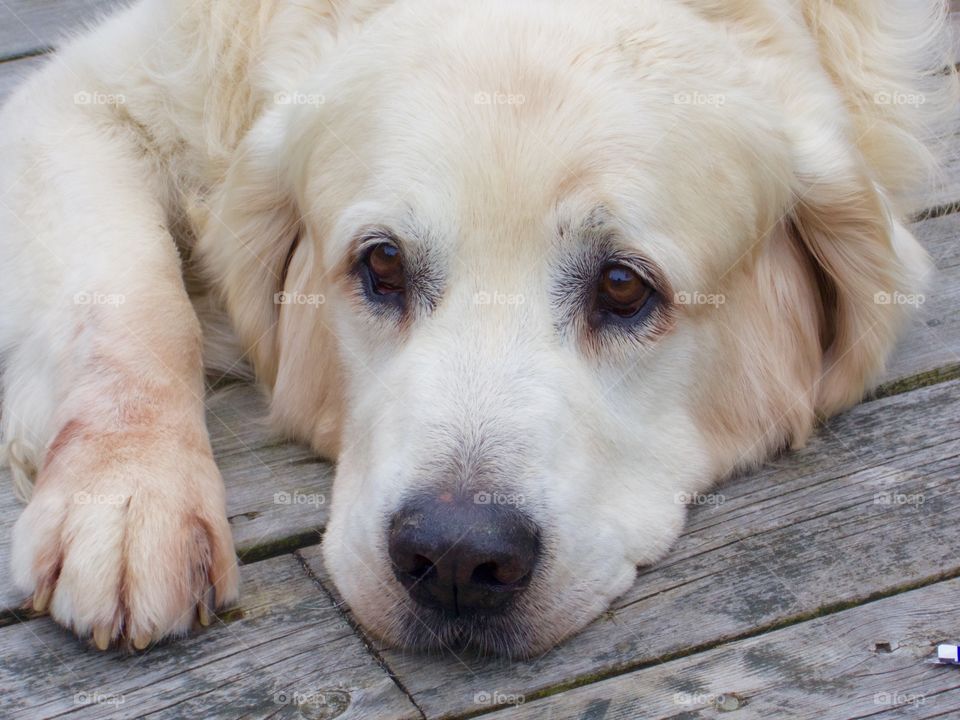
[(759, 151)]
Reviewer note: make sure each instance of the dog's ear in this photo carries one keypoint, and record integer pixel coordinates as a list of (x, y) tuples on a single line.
[(866, 268), (814, 323), (258, 252), (248, 230)]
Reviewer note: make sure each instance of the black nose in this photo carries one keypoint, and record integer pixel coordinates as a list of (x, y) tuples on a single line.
[(463, 555)]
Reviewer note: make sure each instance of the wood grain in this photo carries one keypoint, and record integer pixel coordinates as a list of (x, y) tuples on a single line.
[(929, 346), (867, 661), (286, 652)]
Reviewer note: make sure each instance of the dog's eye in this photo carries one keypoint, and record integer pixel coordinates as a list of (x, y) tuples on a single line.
[(384, 263), (621, 291)]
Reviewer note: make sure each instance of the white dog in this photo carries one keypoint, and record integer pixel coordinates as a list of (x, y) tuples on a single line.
[(531, 271)]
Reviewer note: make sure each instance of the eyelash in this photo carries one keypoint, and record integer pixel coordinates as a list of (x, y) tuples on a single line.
[(575, 295), (370, 240)]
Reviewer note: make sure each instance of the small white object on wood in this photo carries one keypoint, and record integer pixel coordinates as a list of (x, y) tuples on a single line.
[(948, 654)]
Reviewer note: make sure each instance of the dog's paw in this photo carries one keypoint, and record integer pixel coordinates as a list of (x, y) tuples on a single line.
[(126, 543)]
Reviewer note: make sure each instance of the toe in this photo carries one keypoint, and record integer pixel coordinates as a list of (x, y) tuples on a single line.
[(102, 636), (41, 597), (207, 606), (141, 641)]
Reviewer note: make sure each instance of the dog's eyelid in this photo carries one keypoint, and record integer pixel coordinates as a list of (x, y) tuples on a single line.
[(369, 237), (646, 269), (605, 242)]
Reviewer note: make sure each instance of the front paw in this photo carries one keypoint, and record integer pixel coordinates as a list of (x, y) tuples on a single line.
[(126, 544)]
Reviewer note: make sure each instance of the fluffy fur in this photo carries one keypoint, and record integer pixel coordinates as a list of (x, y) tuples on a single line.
[(760, 154)]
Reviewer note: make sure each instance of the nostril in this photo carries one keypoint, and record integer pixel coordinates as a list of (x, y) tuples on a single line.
[(495, 574), (485, 574), (412, 567), (421, 568)]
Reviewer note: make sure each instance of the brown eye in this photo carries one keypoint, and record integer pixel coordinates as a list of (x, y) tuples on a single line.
[(622, 291), (385, 265)]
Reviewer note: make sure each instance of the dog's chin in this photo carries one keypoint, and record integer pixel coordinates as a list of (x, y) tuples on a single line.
[(510, 635), (526, 630)]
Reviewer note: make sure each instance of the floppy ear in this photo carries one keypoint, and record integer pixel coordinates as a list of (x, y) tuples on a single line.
[(258, 252), (810, 321), (867, 269), (251, 225)]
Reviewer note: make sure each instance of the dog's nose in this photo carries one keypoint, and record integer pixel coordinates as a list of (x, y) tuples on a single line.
[(461, 555)]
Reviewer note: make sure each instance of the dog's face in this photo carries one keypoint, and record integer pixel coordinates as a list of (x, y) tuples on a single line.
[(562, 285)]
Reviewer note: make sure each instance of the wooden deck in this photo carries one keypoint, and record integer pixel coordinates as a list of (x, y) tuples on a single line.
[(815, 590)]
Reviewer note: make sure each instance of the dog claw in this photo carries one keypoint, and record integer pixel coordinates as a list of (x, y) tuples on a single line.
[(141, 641), (205, 609), (41, 599), (101, 637)]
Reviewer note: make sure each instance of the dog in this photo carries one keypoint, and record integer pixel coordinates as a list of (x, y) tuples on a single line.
[(532, 272)]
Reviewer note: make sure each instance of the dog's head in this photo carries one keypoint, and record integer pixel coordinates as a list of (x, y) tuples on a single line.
[(537, 275)]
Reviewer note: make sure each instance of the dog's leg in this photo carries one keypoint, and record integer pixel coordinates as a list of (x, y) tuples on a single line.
[(125, 538)]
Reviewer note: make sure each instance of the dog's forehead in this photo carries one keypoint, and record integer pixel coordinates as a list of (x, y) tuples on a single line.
[(520, 187), (487, 141), (513, 131)]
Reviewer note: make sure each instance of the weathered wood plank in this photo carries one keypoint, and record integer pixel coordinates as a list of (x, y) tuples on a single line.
[(276, 492), (942, 192), (287, 648), (868, 508), (930, 344), (866, 661), (955, 29), (30, 26)]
